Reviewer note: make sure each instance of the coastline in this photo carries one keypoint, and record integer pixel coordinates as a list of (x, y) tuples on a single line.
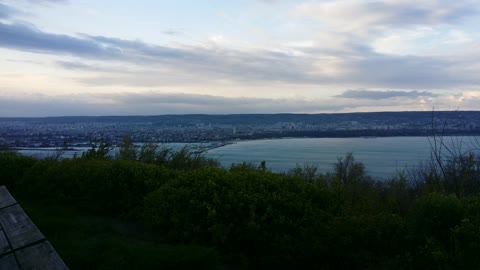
[(381, 155), (208, 146)]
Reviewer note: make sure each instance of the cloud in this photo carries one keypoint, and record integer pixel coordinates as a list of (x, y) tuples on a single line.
[(269, 1), (25, 61), (458, 37), (358, 14), (156, 103), (137, 49), (153, 104), (378, 95), (7, 11), (218, 104), (22, 37), (380, 70), (173, 32), (48, 1), (76, 65), (256, 65), (356, 65)]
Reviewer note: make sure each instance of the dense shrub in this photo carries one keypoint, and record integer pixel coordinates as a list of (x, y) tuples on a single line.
[(435, 215), (432, 220), (254, 214), (256, 218), (104, 186), (184, 159), (12, 168)]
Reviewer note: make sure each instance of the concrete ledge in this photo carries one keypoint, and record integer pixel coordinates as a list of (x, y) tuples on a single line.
[(22, 245)]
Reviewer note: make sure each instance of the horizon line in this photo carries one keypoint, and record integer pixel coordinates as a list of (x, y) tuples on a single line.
[(227, 114)]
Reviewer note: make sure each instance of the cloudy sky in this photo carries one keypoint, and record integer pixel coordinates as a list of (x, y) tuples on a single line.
[(145, 57)]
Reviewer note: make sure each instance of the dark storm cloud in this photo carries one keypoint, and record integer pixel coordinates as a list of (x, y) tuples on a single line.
[(378, 95)]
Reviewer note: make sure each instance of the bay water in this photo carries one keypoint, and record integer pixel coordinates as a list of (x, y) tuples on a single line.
[(383, 157)]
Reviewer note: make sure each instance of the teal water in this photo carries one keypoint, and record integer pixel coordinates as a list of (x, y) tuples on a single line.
[(46, 152), (383, 157)]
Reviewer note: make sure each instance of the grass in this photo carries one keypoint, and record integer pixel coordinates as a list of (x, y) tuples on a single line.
[(97, 242)]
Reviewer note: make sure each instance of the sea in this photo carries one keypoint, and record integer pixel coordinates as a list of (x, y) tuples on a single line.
[(383, 157)]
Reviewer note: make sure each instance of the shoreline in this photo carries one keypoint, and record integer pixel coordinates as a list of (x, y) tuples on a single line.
[(219, 144)]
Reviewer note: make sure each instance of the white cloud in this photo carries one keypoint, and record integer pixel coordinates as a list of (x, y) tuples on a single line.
[(364, 15), (407, 41), (401, 45), (458, 37), (164, 102), (390, 26)]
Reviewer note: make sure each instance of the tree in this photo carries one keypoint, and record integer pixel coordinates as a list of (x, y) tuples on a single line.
[(348, 170), (454, 166), (148, 153), (99, 150), (127, 150)]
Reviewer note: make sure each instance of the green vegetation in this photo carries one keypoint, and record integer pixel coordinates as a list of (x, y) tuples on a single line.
[(151, 208), (86, 241)]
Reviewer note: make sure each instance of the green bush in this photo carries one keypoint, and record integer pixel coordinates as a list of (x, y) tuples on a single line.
[(249, 213), (185, 159), (466, 237), (432, 221), (12, 168), (253, 217), (102, 186), (435, 215)]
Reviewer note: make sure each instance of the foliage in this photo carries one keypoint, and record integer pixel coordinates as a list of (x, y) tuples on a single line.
[(99, 150), (86, 241), (455, 163), (186, 158), (253, 217), (102, 186), (127, 150), (347, 170), (249, 166), (12, 168), (307, 173), (253, 214)]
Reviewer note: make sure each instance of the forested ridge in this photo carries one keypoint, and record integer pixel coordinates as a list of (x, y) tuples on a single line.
[(151, 208)]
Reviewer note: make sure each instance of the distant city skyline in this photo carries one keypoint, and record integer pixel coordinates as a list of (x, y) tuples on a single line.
[(147, 57)]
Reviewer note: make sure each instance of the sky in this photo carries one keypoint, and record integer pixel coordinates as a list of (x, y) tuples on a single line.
[(151, 57)]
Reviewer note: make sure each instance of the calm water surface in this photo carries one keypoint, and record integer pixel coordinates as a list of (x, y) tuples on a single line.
[(383, 157)]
